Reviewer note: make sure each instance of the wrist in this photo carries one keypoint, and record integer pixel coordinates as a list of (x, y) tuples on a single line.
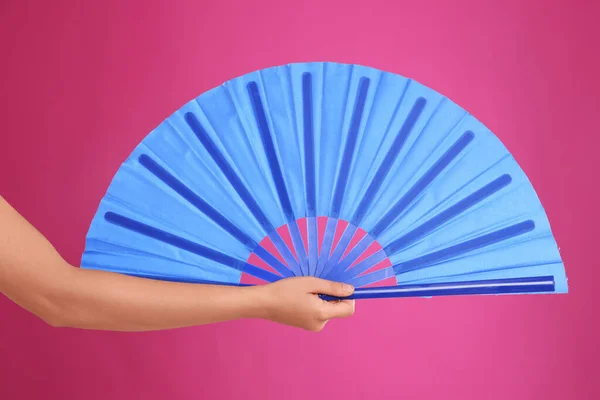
[(259, 301)]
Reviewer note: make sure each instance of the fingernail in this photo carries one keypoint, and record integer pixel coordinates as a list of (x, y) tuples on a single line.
[(347, 288)]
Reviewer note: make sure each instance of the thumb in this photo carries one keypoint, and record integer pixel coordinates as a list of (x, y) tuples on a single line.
[(331, 288)]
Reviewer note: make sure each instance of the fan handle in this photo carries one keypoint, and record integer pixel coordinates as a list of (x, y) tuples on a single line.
[(537, 284)]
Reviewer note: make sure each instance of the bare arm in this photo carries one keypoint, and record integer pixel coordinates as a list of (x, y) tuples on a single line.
[(36, 277)]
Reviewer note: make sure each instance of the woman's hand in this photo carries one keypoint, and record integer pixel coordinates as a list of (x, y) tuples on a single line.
[(295, 302)]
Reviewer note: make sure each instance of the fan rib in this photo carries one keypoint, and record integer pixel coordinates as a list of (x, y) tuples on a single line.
[(422, 183), (242, 191), (410, 196), (497, 236), (534, 284), (480, 271), (339, 250), (389, 160), (452, 195), (342, 179), (275, 167), (333, 266), (326, 244), (352, 256), (359, 106), (179, 187), (373, 167), (448, 214), (269, 148), (187, 245), (373, 277), (309, 145), (440, 255), (309, 172), (417, 233), (361, 267)]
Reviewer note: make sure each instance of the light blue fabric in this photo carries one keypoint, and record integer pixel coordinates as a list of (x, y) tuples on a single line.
[(229, 119)]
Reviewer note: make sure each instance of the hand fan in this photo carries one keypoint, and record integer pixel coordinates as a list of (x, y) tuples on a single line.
[(331, 170)]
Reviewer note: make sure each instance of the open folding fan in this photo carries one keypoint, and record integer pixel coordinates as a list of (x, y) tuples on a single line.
[(338, 171)]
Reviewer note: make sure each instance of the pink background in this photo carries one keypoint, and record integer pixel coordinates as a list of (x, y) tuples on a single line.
[(83, 81)]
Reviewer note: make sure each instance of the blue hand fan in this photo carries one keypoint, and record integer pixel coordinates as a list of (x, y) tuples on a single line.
[(338, 171)]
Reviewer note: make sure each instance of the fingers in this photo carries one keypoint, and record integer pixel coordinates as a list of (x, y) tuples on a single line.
[(337, 289), (296, 303), (338, 309)]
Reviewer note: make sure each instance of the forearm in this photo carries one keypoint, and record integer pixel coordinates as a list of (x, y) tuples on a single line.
[(35, 276), (101, 300), (78, 298)]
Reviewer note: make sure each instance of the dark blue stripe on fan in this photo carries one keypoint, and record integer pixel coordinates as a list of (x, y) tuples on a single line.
[(388, 161), (240, 188), (340, 187), (326, 245), (422, 183), (353, 255), (228, 171), (170, 278), (332, 266), (296, 237), (211, 213), (448, 214), (285, 252), (374, 187), (260, 273), (176, 241), (313, 244), (535, 284), (360, 268), (269, 147), (196, 200), (464, 247), (270, 259), (373, 277), (309, 146)]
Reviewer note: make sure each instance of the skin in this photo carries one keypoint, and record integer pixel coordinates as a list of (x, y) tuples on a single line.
[(37, 278)]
